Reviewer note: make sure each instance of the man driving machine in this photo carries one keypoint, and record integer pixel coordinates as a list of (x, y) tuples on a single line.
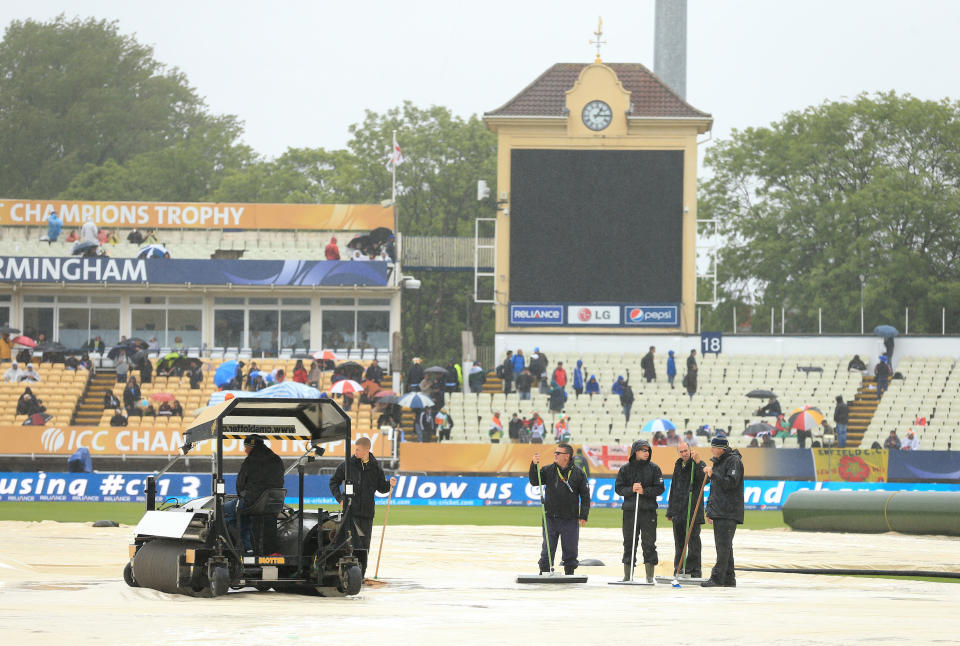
[(262, 469)]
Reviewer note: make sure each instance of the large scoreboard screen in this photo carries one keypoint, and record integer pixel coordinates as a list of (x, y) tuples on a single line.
[(596, 226)]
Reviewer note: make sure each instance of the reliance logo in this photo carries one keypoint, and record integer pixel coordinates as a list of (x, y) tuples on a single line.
[(536, 315)]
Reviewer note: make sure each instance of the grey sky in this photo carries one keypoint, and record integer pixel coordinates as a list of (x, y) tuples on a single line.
[(299, 73)]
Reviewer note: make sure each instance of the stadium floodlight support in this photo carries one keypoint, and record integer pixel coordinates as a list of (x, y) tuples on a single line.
[(863, 282), (477, 274), (709, 247)]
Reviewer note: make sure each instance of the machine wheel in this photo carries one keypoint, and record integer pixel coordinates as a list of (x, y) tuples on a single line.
[(219, 582), (351, 580), (128, 576)]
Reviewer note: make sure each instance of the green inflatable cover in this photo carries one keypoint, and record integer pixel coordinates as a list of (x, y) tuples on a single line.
[(908, 512)]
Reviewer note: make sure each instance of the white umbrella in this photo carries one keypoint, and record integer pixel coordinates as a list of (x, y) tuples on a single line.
[(346, 386), (415, 400)]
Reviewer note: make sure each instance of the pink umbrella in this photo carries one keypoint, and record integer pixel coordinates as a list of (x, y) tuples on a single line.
[(25, 341), (325, 355), (162, 397), (384, 393), (346, 386)]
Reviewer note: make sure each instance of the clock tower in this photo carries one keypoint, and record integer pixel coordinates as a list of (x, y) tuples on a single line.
[(596, 189)]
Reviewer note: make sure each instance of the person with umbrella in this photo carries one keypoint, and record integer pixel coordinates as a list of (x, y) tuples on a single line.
[(772, 409), (882, 372), (685, 486), (639, 481), (123, 367), (6, 346)]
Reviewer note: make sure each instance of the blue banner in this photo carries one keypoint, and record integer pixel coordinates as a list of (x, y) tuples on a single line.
[(651, 315), (923, 465), (195, 272), (411, 489)]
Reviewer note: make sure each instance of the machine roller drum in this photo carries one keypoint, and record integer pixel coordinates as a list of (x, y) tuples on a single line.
[(157, 566)]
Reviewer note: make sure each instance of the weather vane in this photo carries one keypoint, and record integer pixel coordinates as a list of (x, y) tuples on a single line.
[(598, 33)]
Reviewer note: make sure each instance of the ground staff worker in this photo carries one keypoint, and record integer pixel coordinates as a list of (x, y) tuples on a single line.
[(640, 476), (724, 508), (566, 502), (685, 487), (368, 478)]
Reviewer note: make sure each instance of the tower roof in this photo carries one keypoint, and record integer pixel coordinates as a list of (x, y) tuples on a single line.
[(649, 95)]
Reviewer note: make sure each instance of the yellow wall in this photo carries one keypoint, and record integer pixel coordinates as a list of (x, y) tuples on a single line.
[(598, 81)]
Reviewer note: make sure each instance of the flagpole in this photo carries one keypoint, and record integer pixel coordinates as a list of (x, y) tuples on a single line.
[(393, 197)]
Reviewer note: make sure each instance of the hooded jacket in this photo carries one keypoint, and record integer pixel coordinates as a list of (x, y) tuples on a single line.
[(566, 493), (578, 375), (680, 489), (841, 414), (647, 473), (593, 386), (726, 487), (648, 366), (671, 365), (368, 477), (261, 470)]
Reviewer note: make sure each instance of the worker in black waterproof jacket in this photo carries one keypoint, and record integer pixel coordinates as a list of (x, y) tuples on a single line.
[(368, 478), (724, 508), (566, 502), (685, 488), (262, 469), (640, 481)]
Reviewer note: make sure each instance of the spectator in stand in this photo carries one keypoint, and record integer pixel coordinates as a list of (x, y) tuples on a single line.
[(415, 374), (911, 443), (374, 372), (6, 347), (772, 409), (892, 442), (537, 429), (444, 424), (558, 397), (146, 371), (659, 439), (29, 374), (96, 344), (690, 379), (672, 438), (524, 384), (496, 428), (519, 363), (110, 400), (370, 390), (690, 439), (315, 374), (781, 428), (538, 363), (506, 372), (617, 387), (135, 237), (132, 397), (841, 416), (648, 366), (560, 375), (856, 364), (165, 409), (331, 251), (561, 430), (476, 377), (593, 386), (54, 227), (152, 345), (882, 372), (280, 375), (299, 372), (28, 404), (118, 419), (123, 367), (195, 375), (626, 397), (423, 425), (455, 375), (12, 374), (671, 368), (767, 441), (578, 378), (513, 428)]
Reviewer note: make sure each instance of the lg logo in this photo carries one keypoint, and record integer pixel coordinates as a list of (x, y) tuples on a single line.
[(584, 314)]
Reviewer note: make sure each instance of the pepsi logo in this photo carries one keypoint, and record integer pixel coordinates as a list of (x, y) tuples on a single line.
[(635, 315), (584, 314)]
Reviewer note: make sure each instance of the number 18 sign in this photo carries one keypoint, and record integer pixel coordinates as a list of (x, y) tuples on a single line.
[(711, 342)]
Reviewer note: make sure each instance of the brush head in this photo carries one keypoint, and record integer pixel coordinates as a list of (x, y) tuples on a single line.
[(675, 584)]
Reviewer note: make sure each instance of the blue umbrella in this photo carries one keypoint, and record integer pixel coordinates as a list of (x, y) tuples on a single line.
[(659, 424), (152, 251), (226, 372), (415, 400), (885, 331), (286, 390)]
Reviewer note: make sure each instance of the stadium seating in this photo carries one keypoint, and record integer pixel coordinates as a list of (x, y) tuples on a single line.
[(59, 390)]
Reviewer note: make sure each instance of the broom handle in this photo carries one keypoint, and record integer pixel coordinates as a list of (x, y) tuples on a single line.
[(543, 514), (683, 554), (383, 533), (693, 470)]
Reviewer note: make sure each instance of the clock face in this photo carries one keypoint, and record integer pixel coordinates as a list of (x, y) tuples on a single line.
[(597, 115)]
